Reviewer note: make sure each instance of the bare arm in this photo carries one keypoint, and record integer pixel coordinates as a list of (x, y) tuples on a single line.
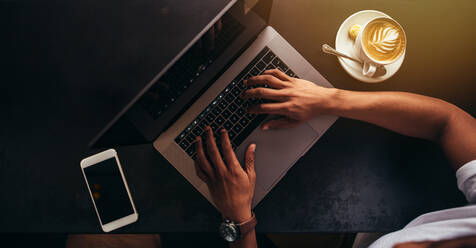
[(413, 115), (409, 114)]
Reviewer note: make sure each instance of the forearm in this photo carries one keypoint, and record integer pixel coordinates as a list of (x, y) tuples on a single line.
[(248, 241), (405, 113), (413, 115)]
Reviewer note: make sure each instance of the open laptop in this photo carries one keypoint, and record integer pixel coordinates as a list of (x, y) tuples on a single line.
[(202, 88)]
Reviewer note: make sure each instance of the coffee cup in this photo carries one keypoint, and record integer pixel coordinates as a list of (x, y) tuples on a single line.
[(380, 42)]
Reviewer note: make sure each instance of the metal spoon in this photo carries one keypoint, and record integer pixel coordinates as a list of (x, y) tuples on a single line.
[(328, 49)]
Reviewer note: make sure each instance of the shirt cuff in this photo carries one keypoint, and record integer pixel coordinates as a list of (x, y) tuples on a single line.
[(465, 172)]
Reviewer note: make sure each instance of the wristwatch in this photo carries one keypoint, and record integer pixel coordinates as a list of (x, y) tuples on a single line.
[(231, 231)]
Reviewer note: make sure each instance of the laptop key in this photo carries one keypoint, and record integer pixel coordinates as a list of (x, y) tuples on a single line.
[(270, 67), (210, 117), (202, 115), (228, 125), (180, 137), (237, 127), (216, 111), (214, 103), (241, 111), (280, 64), (188, 129), (254, 72), (261, 65), (194, 123), (203, 124), (190, 138), (236, 91), (226, 113), (232, 107), (214, 126), (268, 57), (219, 120), (244, 121), (239, 100), (219, 97), (290, 73), (190, 150), (184, 144), (241, 85), (223, 104), (197, 131), (229, 98), (234, 118)]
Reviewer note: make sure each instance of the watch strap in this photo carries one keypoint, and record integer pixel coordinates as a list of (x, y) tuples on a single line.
[(248, 225)]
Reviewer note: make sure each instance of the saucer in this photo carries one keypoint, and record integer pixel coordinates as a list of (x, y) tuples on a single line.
[(345, 44)]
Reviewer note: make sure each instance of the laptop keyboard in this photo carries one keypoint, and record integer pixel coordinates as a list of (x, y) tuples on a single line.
[(228, 109)]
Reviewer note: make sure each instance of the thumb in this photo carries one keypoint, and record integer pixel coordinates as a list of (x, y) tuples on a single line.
[(250, 161), (280, 123)]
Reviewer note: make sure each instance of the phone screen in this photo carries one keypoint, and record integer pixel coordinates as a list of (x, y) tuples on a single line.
[(108, 190)]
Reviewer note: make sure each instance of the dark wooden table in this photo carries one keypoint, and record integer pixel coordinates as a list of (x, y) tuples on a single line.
[(68, 67)]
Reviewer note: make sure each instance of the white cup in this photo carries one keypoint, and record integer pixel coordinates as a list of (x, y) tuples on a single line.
[(370, 64)]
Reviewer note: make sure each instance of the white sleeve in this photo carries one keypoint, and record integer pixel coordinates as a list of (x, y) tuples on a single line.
[(466, 177)]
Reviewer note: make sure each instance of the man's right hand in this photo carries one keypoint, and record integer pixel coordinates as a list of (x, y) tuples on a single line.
[(296, 100)]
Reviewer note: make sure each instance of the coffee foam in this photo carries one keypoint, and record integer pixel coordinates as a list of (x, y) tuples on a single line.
[(383, 40)]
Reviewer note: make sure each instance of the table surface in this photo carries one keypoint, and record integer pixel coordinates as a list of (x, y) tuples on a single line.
[(71, 66)]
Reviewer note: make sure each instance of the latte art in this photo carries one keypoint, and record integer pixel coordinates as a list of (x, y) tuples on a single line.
[(383, 40)]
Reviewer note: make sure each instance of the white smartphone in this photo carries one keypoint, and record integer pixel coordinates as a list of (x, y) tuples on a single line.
[(108, 189)]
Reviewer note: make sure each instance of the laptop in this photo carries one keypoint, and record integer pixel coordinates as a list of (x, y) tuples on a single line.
[(202, 88)]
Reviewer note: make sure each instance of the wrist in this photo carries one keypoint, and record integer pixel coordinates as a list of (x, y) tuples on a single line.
[(329, 103), (238, 216)]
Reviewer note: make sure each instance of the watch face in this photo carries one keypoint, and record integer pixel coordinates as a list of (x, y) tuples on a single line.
[(229, 231)]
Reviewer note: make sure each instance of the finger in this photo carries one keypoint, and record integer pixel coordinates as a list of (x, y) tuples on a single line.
[(200, 173), (227, 150), (202, 160), (264, 93), (280, 123), (269, 80), (278, 74), (213, 153), (250, 162), (268, 108)]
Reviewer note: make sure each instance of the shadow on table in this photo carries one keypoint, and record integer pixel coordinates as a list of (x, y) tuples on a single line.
[(207, 239)]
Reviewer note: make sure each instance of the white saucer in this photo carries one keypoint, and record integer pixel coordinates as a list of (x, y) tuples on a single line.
[(345, 44)]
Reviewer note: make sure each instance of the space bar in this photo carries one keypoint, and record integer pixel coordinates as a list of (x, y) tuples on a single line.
[(247, 131)]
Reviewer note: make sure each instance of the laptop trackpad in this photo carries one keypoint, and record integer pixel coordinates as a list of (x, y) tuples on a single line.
[(277, 151)]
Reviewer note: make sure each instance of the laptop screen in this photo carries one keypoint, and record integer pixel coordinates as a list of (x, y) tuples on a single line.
[(177, 80)]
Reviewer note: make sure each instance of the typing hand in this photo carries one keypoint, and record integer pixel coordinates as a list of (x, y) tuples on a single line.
[(231, 186), (296, 100)]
